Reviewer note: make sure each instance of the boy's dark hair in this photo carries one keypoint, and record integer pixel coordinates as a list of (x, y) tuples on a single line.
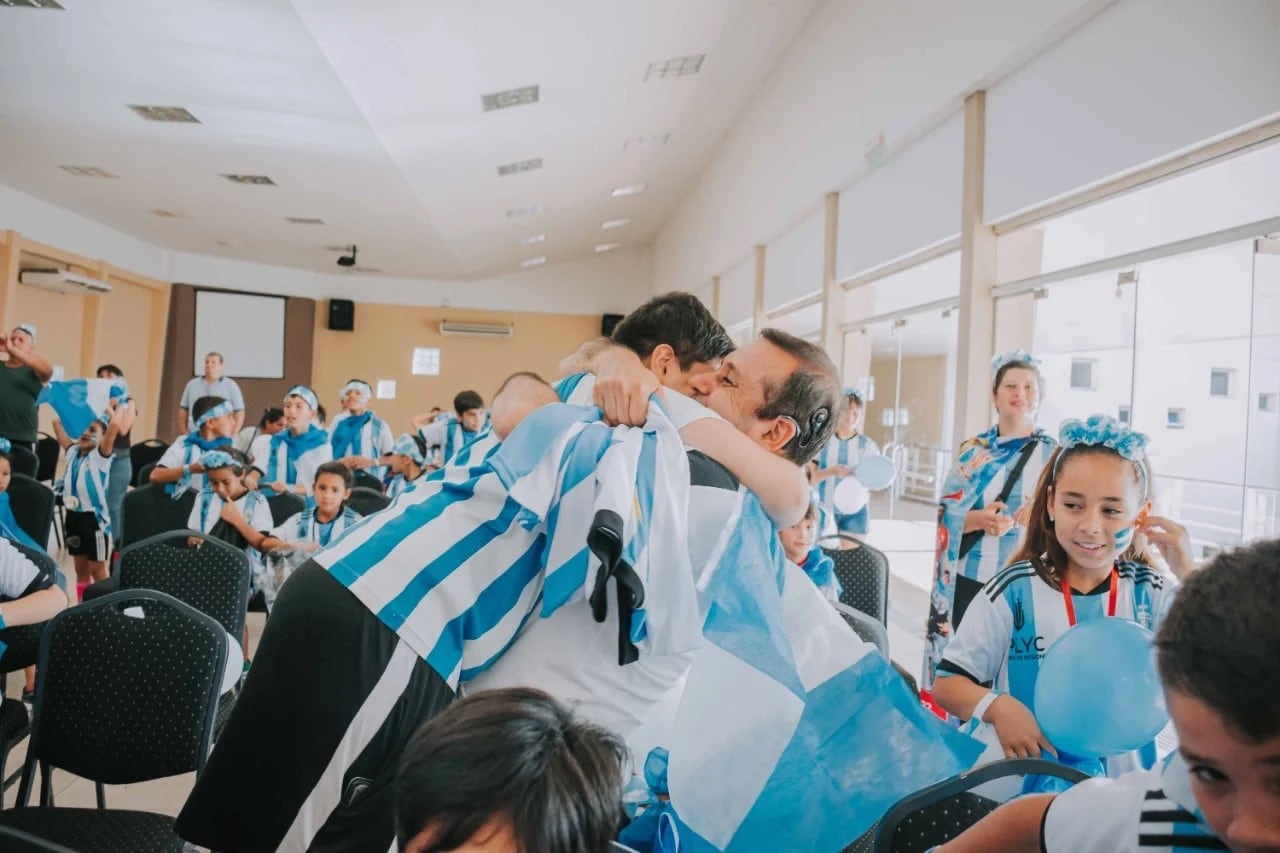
[(270, 415), (516, 753), (204, 404), (109, 368), (680, 321), (355, 379), (1218, 643), (811, 396), (465, 401), (337, 469)]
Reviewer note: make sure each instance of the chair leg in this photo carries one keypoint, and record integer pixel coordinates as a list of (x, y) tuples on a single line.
[(102, 794), (28, 781), (46, 784)]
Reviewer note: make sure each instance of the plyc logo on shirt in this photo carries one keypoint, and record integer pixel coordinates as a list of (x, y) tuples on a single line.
[(1023, 646)]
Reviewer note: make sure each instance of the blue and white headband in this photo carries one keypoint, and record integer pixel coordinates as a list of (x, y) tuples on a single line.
[(366, 393), (5, 446), (223, 408), (855, 393), (305, 394), (1018, 357), (1104, 431), (406, 446), (214, 459), (29, 328)]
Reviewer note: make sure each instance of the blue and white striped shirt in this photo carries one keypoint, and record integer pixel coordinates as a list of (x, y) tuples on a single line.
[(460, 563), (841, 451), (84, 482), (447, 436)]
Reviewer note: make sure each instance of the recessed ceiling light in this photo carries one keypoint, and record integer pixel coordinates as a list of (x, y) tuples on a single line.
[(607, 247), (629, 189), (637, 143), (527, 210), (259, 180), (534, 262), (509, 98), (532, 239), (171, 114), (519, 166), (87, 171), (31, 4), (678, 67), (169, 214), (303, 220), (224, 243), (615, 223)]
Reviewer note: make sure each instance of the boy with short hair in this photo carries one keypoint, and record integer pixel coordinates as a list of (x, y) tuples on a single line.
[(1216, 652), (448, 435), (798, 543), (359, 437), (316, 526), (509, 769), (214, 419)]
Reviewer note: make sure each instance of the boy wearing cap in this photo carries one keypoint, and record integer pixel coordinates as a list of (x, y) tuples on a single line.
[(20, 379)]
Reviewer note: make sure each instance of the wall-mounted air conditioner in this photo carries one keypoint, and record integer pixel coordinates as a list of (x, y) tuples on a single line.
[(62, 281), (477, 330)]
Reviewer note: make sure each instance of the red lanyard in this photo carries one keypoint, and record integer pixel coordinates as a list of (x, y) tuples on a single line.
[(1111, 597)]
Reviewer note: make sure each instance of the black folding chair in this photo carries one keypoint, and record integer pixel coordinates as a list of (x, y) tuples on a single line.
[(863, 572), (367, 501), (32, 503), (942, 811), (149, 510), (284, 506), (143, 667), (865, 627), (141, 455), (144, 476), (48, 452), (365, 480), (17, 841), (22, 645), (23, 461)]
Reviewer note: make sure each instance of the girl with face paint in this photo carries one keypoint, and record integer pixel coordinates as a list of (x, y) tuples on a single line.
[(1081, 560)]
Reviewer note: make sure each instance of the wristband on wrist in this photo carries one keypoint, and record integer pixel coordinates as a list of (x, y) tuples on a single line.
[(983, 704), (186, 470), (2, 625)]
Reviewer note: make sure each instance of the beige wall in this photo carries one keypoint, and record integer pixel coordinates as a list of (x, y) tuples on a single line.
[(381, 347), (924, 381), (79, 332)]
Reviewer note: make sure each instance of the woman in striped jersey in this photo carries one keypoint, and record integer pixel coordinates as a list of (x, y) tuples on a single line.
[(1083, 559)]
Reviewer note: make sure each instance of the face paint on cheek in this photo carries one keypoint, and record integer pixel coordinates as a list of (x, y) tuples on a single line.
[(1123, 538)]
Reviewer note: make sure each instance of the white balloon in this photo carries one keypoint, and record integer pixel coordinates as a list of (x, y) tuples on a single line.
[(850, 496)]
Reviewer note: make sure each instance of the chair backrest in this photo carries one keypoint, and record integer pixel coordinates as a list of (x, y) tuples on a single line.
[(22, 642), (32, 505), (142, 454), (23, 461), (213, 578), (16, 841), (144, 475), (149, 510), (942, 811), (48, 451), (863, 573), (365, 480), (367, 501), (865, 627), (284, 506), (126, 688)]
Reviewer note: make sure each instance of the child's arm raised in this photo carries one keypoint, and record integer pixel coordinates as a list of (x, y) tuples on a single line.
[(64, 440), (108, 443)]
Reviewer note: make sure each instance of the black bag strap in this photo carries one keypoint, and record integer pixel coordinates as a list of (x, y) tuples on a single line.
[(971, 538)]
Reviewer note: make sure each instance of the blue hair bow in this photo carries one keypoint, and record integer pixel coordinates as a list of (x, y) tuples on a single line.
[(1017, 356), (1104, 431), (5, 446), (214, 459)]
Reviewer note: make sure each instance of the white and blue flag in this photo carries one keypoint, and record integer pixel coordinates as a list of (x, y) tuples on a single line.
[(80, 402), (566, 509), (792, 733)]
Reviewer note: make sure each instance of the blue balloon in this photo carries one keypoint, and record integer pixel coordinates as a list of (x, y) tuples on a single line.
[(1098, 692), (875, 472)]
